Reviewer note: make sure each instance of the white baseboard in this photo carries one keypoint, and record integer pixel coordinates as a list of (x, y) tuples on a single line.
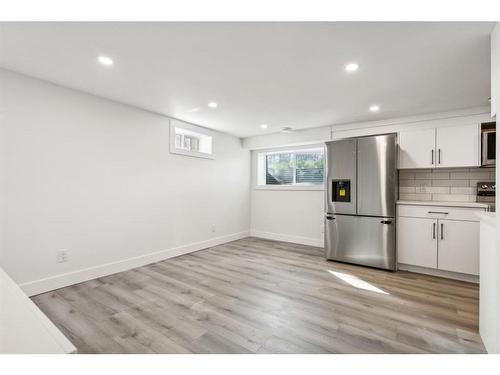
[(440, 273), (59, 281), (288, 238)]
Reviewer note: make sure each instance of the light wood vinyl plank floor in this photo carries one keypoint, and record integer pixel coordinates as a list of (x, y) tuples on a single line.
[(261, 296)]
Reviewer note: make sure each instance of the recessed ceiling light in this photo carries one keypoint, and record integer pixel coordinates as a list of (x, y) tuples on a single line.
[(351, 67), (264, 126), (374, 108), (104, 60), (212, 105)]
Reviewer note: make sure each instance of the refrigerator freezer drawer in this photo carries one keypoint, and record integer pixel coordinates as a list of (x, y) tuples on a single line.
[(369, 241)]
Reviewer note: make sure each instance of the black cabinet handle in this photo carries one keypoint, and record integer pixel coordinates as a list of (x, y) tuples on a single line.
[(330, 218), (386, 222)]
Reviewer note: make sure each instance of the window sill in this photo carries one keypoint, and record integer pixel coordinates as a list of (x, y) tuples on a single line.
[(191, 153), (291, 187)]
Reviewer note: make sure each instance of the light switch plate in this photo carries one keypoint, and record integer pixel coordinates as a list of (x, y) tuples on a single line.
[(62, 256)]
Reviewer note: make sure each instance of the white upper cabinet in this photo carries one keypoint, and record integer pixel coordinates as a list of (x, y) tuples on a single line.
[(457, 146), (441, 147), (417, 148)]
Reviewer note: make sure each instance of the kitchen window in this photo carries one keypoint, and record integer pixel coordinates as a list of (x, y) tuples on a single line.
[(187, 142), (291, 168), (190, 140)]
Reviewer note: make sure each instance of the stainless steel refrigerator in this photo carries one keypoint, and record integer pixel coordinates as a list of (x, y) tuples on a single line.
[(361, 192)]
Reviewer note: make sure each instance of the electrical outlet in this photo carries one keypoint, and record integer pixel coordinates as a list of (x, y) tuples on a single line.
[(214, 229), (62, 256)]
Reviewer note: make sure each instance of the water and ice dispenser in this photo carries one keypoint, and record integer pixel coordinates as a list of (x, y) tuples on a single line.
[(341, 190)]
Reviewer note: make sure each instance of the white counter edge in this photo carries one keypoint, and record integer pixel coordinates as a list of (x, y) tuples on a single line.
[(444, 204), (11, 290)]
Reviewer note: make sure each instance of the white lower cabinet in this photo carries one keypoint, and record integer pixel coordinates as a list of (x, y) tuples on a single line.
[(417, 243), (437, 241), (458, 248)]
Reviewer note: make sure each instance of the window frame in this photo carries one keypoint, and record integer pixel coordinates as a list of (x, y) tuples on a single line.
[(260, 168), (190, 128)]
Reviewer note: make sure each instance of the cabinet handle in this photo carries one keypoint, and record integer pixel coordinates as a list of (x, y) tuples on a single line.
[(437, 212), (433, 231), (442, 231), (432, 157), (439, 156)]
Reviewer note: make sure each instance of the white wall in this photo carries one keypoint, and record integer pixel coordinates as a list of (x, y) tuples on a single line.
[(297, 215), (96, 178), (299, 137), (287, 215), (495, 110), (495, 85), (2, 174)]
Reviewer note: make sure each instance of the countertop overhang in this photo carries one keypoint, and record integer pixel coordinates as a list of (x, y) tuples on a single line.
[(444, 204)]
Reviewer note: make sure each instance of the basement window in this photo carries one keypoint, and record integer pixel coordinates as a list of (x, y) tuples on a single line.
[(190, 140), (297, 168)]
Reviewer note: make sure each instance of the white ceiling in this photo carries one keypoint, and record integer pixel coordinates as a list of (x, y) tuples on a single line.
[(281, 74)]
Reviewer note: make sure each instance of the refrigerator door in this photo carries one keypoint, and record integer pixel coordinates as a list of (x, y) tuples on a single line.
[(369, 241), (341, 177), (377, 176)]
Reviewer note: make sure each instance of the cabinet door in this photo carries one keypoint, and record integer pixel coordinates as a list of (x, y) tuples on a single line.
[(458, 246), (417, 241), (457, 146), (417, 148)]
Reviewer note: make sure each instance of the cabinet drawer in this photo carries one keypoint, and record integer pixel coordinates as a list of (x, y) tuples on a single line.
[(439, 212)]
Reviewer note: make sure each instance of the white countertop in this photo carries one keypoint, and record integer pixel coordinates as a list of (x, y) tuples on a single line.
[(489, 218), (445, 204), (23, 326)]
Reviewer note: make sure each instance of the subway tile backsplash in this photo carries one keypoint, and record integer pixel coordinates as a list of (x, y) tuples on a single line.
[(454, 184)]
